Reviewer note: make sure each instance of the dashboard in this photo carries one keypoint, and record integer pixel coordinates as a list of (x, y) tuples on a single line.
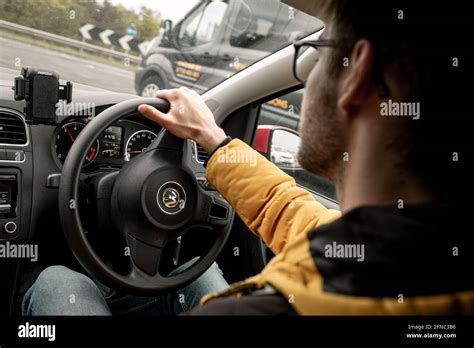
[(119, 143), (32, 156)]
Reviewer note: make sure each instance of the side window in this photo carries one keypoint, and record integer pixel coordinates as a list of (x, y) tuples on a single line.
[(203, 25), (277, 139), (189, 26), (211, 22), (251, 26), (264, 26)]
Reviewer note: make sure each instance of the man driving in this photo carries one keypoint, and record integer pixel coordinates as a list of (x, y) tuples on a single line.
[(396, 180)]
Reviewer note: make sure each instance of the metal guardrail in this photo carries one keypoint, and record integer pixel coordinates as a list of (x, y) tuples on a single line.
[(68, 42)]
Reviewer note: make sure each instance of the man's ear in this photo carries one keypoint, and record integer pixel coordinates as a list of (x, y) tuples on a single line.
[(358, 81)]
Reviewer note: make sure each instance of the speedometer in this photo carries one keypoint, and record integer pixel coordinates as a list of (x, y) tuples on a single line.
[(66, 136), (138, 143)]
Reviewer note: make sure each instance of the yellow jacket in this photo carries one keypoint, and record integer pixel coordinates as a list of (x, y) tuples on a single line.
[(274, 208)]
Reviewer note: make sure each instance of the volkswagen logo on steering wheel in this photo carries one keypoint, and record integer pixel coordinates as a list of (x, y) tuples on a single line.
[(171, 197)]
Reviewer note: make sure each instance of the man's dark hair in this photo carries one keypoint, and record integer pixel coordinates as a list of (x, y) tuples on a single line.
[(427, 50)]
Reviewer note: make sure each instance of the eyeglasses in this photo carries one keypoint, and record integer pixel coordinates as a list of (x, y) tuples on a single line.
[(300, 48), (302, 74)]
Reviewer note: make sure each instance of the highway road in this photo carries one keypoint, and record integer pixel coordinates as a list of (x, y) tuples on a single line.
[(69, 67)]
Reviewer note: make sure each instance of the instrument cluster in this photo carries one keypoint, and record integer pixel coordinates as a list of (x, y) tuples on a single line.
[(119, 143)]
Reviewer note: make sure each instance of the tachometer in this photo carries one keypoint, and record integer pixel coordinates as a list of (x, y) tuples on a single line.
[(138, 143), (66, 136)]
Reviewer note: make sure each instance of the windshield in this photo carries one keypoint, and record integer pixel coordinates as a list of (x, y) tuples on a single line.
[(140, 46)]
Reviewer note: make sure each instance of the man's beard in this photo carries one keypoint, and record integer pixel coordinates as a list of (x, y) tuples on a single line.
[(321, 150)]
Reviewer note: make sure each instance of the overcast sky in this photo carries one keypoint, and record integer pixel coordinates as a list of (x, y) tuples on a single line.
[(169, 9)]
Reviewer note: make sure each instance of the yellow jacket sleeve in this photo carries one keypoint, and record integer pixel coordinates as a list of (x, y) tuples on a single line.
[(265, 198)]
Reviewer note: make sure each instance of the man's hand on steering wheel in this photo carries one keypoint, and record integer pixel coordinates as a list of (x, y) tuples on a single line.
[(188, 117)]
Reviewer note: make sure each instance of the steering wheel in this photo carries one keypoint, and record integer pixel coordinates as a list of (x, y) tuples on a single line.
[(154, 199)]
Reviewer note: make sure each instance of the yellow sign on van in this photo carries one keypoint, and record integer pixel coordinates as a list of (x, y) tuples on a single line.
[(279, 103), (237, 66), (188, 69)]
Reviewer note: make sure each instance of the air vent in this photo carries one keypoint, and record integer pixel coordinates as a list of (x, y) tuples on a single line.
[(201, 154), (12, 129)]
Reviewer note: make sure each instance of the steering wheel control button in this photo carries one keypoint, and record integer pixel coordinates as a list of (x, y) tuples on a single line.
[(205, 185), (10, 227), (15, 155), (219, 212), (171, 198)]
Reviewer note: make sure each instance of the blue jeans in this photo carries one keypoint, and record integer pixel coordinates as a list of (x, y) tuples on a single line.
[(61, 291)]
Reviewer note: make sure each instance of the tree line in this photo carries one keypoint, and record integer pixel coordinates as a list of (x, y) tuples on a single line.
[(64, 17)]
